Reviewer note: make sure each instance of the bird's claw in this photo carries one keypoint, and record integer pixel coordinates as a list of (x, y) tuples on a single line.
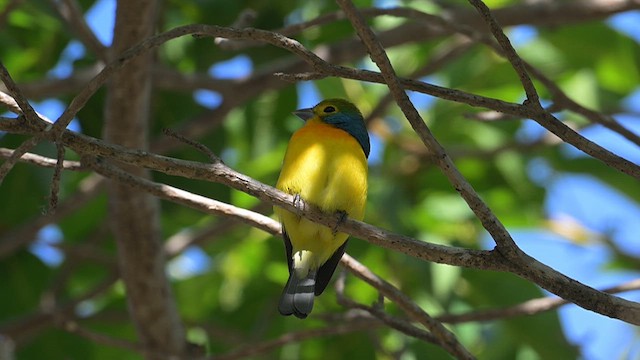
[(298, 203)]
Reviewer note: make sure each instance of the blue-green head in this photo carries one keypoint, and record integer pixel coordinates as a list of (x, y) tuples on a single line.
[(343, 115)]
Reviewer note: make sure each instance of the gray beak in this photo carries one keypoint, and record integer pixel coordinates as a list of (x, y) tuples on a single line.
[(304, 114)]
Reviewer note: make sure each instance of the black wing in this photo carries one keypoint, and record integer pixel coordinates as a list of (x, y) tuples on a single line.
[(326, 270), (288, 248)]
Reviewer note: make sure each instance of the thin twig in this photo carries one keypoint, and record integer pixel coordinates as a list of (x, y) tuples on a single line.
[(522, 264), (402, 325), (444, 337), (562, 101), (43, 161), (199, 146), (244, 19), (185, 198), (94, 84), (55, 180), (10, 103), (12, 160), (28, 112), (516, 62), (73, 327), (178, 242), (254, 350), (25, 108), (530, 307)]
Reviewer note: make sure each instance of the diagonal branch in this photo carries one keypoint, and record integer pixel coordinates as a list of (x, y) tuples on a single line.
[(444, 337), (21, 104), (185, 198), (529, 307), (510, 53), (43, 161), (522, 264), (261, 349)]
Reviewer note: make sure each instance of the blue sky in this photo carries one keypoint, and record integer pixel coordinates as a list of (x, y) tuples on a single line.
[(568, 195)]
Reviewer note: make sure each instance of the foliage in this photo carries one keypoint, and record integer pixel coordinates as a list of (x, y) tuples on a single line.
[(228, 302)]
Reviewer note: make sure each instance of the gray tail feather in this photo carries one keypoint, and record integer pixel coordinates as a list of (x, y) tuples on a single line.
[(297, 297)]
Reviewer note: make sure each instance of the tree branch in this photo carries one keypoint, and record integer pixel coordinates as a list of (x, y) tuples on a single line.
[(293, 337), (444, 337), (522, 264), (43, 161), (510, 53), (529, 307), (551, 280)]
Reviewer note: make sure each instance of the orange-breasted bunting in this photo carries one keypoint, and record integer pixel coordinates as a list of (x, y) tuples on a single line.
[(325, 165)]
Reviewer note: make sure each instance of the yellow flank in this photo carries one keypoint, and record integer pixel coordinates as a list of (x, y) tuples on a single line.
[(327, 167)]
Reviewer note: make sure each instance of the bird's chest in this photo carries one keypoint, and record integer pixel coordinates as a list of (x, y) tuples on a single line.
[(326, 167)]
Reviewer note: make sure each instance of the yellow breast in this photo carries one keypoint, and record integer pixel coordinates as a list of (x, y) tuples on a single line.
[(327, 167)]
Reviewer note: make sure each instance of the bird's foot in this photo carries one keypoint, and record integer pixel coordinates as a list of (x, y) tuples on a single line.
[(298, 203)]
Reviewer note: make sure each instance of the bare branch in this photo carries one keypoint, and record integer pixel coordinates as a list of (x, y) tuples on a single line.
[(544, 118), (26, 110), (536, 13), (523, 264), (55, 180), (505, 244), (444, 337), (16, 154), (245, 19), (551, 280), (530, 307), (200, 147), (20, 100), (377, 310), (563, 101), (181, 240), (293, 337), (43, 161), (75, 328), (185, 198), (510, 54), (10, 103), (540, 274)]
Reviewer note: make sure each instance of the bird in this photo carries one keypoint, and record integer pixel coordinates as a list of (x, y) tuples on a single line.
[(325, 164)]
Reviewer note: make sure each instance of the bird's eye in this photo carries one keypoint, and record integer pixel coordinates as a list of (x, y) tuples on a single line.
[(329, 109)]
